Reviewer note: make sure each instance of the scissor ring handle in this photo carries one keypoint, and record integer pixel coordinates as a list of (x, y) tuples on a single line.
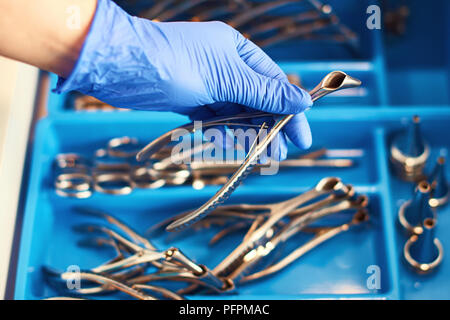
[(143, 179), (114, 177), (115, 144), (71, 161), (66, 182), (74, 194)]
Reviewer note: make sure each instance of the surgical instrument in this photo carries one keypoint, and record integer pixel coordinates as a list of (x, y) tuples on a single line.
[(423, 251), (317, 158), (267, 228), (253, 212), (74, 185), (281, 22), (321, 235), (277, 212), (334, 81), (156, 9), (230, 8), (409, 152), (258, 10), (172, 264), (179, 9), (296, 31), (115, 145), (128, 271), (113, 183), (440, 189), (395, 19), (416, 210), (168, 10), (88, 103)]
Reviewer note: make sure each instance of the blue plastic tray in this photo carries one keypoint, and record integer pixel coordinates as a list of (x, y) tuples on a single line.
[(419, 62), (337, 269)]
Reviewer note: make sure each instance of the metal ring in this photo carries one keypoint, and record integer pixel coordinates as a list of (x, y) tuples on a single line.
[(422, 268), (143, 179), (101, 162), (74, 194), (437, 202), (402, 218), (410, 162), (66, 181), (403, 221), (115, 143), (114, 177), (71, 161)]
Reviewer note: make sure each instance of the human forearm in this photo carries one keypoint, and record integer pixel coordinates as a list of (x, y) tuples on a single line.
[(48, 34)]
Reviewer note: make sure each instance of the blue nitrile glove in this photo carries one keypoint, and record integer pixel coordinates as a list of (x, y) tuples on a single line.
[(200, 69)]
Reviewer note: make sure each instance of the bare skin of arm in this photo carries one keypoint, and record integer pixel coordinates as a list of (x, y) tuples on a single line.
[(48, 34)]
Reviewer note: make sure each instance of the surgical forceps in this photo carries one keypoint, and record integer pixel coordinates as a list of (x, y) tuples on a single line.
[(318, 158), (296, 31), (170, 9), (258, 10), (213, 167), (277, 212), (281, 22), (266, 229), (345, 34), (134, 253), (179, 9), (156, 9), (106, 283), (220, 11), (332, 82), (256, 213), (321, 235), (346, 202), (307, 31)]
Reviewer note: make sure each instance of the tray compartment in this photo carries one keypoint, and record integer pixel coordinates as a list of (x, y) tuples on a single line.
[(338, 267), (90, 132), (418, 63), (434, 285)]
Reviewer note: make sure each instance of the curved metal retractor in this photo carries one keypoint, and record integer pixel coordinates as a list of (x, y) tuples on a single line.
[(332, 82)]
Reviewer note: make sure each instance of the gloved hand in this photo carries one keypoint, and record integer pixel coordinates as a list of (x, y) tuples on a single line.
[(200, 69)]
